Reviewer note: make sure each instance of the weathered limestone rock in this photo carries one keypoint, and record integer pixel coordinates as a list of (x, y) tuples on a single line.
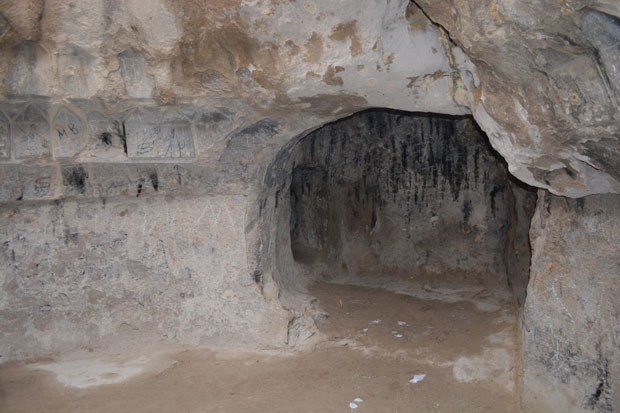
[(184, 113), (182, 167), (572, 321), (306, 56), (128, 272), (549, 86), (539, 78)]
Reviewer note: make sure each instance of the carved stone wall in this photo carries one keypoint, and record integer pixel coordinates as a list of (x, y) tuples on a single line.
[(159, 105), (129, 271), (121, 227)]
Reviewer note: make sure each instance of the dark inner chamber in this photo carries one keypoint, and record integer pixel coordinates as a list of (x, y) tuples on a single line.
[(402, 193)]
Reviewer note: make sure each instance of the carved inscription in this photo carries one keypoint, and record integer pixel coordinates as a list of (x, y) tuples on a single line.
[(150, 134), (176, 140), (42, 186), (68, 133), (106, 137), (23, 183)]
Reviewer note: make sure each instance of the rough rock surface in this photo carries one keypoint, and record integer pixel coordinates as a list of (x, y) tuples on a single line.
[(391, 192), (107, 103), (549, 86), (384, 194), (572, 322), (129, 271), (312, 56), (522, 203), (541, 79)]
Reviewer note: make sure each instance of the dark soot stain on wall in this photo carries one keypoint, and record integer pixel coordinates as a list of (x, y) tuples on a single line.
[(394, 190)]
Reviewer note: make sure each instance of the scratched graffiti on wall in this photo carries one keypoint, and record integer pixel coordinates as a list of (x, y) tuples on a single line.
[(97, 266)]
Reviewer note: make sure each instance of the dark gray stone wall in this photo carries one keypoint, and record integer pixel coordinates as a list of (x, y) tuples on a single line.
[(395, 191)]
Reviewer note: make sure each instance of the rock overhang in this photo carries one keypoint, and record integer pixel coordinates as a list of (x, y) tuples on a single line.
[(540, 81)]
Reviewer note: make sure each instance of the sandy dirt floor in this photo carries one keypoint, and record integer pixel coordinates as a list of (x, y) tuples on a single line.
[(461, 346)]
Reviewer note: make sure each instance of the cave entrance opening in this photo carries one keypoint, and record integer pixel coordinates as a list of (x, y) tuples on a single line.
[(385, 198), (409, 234)]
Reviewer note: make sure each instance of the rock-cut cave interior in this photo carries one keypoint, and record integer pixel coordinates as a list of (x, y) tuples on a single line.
[(309, 206)]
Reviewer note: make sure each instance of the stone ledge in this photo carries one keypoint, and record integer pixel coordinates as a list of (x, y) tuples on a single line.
[(104, 180)]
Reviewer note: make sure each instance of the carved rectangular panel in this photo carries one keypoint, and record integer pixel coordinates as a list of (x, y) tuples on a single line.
[(133, 72), (154, 135), (176, 141), (106, 140), (30, 133), (68, 133), (23, 183)]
